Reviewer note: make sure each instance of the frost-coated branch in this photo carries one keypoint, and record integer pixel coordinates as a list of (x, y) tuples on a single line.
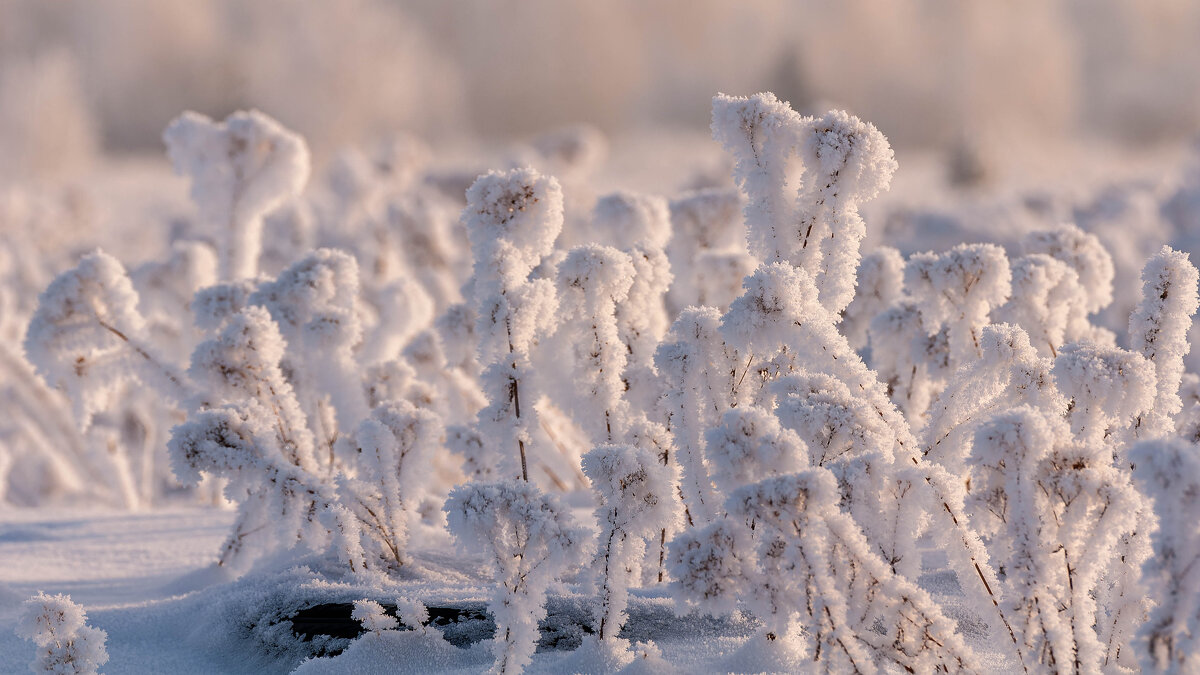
[(703, 378), (703, 222), (1047, 301), (1158, 329), (315, 302), (643, 224), (880, 285), (593, 281), (1084, 253), (787, 553), (388, 460), (87, 336), (1062, 506)]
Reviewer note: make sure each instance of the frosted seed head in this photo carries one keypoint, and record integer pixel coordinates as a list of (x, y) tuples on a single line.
[(242, 358), (597, 272), (47, 618), (1113, 384), (852, 154), (512, 219), (776, 297)]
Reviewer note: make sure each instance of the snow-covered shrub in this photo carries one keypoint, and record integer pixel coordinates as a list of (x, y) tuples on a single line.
[(385, 464), (593, 281), (1059, 509), (529, 541), (88, 338), (1047, 301), (66, 645), (808, 426), (642, 223), (791, 555), (814, 225), (880, 285), (702, 376), (705, 228)]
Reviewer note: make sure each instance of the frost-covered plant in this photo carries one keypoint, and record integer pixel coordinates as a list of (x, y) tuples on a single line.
[(1060, 507), (643, 224), (240, 169), (88, 338), (1009, 373), (1084, 253), (385, 463), (637, 502), (880, 285), (512, 219), (315, 304), (957, 290), (1168, 471), (373, 617), (702, 376), (913, 364), (87, 335), (810, 220), (819, 440), (1047, 301), (529, 541), (66, 645), (1108, 388), (704, 224), (1158, 328), (791, 555), (593, 281), (749, 445)]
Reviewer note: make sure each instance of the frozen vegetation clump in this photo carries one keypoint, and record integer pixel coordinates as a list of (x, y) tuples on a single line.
[(716, 403), (66, 645)]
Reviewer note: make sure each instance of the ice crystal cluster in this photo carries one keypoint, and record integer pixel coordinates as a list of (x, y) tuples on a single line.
[(717, 398)]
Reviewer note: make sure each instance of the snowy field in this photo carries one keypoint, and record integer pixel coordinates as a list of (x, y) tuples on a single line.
[(546, 356)]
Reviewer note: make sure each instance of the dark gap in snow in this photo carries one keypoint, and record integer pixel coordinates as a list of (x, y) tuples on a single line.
[(567, 620)]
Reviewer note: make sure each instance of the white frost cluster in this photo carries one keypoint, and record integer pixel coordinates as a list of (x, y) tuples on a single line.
[(1159, 327), (1169, 473), (637, 502), (240, 169), (529, 541), (66, 645), (809, 217), (956, 290)]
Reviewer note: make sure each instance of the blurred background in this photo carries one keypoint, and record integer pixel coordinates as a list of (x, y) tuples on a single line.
[(81, 77)]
